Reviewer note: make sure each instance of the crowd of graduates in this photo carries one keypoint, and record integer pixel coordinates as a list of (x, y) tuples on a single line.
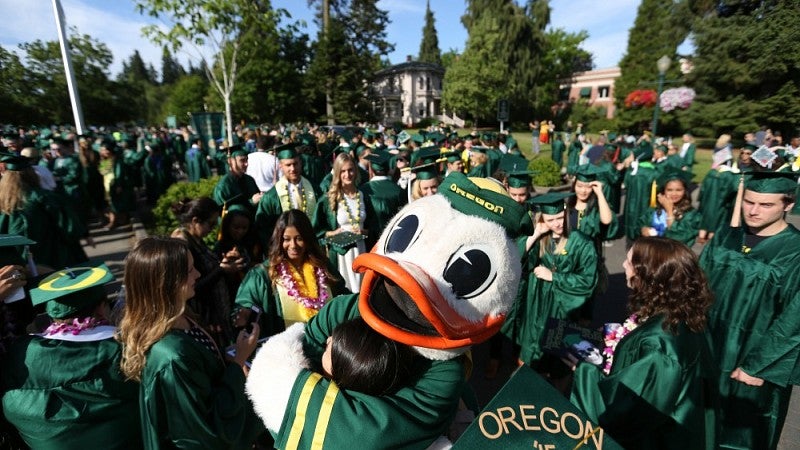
[(296, 205)]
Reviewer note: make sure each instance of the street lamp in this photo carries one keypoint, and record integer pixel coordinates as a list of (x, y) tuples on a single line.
[(663, 65)]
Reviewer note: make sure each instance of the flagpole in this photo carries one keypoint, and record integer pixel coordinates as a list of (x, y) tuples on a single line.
[(72, 87)]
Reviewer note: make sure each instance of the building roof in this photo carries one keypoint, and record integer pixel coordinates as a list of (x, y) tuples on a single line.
[(412, 66)]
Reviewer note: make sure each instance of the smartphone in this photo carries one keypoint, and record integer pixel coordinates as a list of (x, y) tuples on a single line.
[(255, 316)]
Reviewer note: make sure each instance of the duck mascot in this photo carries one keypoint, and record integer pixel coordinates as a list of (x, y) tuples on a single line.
[(442, 277)]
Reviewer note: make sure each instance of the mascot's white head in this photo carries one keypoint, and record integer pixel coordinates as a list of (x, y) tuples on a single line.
[(445, 271)]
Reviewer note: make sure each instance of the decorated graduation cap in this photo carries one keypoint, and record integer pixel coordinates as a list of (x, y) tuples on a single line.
[(588, 173), (403, 137), (379, 161), (767, 182), (486, 198), (286, 151), (15, 162), (552, 202), (67, 292)]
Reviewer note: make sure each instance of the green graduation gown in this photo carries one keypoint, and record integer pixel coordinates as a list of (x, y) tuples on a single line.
[(689, 157), (258, 289), (754, 325), (717, 196), (411, 418), (232, 190), (684, 230), (574, 280), (659, 392), (557, 154), (270, 207), (383, 198), (48, 220), (190, 399), (196, 165), (62, 394), (637, 196), (573, 156)]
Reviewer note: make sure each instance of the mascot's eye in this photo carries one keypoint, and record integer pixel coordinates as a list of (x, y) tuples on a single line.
[(470, 272), (403, 234)]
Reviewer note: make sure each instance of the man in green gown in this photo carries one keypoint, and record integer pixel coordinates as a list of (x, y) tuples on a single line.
[(292, 191), (755, 319), (236, 187), (382, 195), (63, 389)]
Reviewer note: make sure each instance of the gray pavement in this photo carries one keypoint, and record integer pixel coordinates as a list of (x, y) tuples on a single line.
[(112, 247)]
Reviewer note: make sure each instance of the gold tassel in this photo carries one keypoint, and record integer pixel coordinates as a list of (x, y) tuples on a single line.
[(653, 192), (222, 216)]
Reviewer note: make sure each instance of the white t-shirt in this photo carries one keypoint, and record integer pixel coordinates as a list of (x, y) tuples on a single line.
[(263, 167)]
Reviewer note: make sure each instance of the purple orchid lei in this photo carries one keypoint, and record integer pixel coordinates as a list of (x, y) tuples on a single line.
[(613, 334), (292, 287), (74, 328)]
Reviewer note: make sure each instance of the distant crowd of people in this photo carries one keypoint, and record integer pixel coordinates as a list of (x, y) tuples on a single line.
[(706, 359)]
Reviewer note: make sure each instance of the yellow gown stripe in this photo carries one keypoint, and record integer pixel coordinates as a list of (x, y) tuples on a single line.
[(302, 407), (324, 416)]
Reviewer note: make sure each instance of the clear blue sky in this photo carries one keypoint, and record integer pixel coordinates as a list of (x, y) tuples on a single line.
[(118, 25)]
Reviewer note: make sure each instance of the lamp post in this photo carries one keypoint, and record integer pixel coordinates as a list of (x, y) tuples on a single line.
[(663, 65)]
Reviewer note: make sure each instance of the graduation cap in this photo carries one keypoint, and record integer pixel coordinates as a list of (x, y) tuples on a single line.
[(15, 162), (426, 171), (418, 138), (552, 202), (9, 240), (764, 156), (425, 155), (436, 137), (340, 243), (480, 148), (67, 292), (360, 149), (673, 173), (488, 136), (750, 147), (286, 151), (767, 182), (588, 173), (379, 161), (452, 156), (403, 137)]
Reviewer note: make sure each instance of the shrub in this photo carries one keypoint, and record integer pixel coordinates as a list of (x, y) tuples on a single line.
[(548, 173), (165, 221)]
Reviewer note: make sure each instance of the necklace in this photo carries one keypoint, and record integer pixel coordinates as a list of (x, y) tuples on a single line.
[(301, 193), (75, 327), (614, 332), (353, 217), (312, 295)]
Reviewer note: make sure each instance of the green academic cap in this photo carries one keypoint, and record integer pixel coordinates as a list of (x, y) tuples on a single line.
[(552, 202), (784, 182), (8, 240), (425, 155), (286, 151), (235, 150), (418, 138), (15, 162), (452, 156), (70, 291), (588, 173), (480, 148), (486, 198), (426, 171), (379, 161), (750, 147), (520, 178), (673, 173), (360, 148)]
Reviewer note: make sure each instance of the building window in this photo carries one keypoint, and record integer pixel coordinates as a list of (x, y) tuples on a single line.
[(421, 82), (603, 91), (586, 92), (421, 110), (428, 83)]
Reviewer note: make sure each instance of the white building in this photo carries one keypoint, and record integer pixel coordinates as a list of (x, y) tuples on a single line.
[(409, 92)]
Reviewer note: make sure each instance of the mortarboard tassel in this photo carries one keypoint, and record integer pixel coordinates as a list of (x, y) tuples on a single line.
[(653, 192)]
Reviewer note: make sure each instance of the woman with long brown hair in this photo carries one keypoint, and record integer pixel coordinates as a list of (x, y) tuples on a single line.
[(191, 393), (344, 212), (293, 283), (655, 389)]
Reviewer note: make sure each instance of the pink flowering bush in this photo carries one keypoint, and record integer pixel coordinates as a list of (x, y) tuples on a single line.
[(676, 98)]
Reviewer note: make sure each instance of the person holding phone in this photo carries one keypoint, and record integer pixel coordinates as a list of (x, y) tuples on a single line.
[(294, 283)]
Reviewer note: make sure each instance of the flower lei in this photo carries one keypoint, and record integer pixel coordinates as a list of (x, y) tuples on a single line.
[(353, 218), (313, 296), (613, 334), (75, 327)]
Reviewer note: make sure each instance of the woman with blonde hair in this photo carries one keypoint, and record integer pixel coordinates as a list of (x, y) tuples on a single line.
[(559, 275), (339, 221), (191, 393)]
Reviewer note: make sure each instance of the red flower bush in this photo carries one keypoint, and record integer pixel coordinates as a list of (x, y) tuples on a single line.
[(641, 98)]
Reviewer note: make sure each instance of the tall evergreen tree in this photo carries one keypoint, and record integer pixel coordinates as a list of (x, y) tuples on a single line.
[(517, 48), (171, 69), (346, 56), (746, 68), (429, 47), (660, 27)]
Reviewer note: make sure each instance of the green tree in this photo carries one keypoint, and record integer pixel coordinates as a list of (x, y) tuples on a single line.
[(449, 57), (563, 58), (14, 90), (746, 68), (518, 44), (215, 30), (186, 96), (429, 47), (660, 27), (171, 69), (136, 79), (346, 56)]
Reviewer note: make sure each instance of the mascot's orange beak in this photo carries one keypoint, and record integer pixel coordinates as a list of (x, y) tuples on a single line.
[(401, 301)]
